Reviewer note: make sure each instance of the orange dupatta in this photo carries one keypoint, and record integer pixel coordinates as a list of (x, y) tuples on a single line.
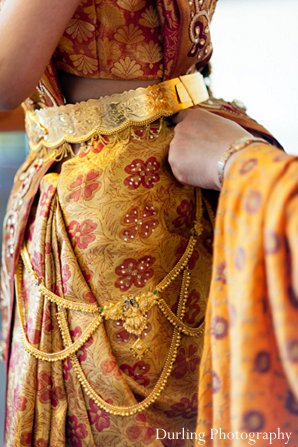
[(249, 369)]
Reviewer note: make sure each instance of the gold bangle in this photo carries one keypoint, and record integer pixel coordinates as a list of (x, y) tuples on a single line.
[(235, 147)]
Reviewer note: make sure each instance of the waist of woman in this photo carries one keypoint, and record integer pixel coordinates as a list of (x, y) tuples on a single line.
[(77, 123), (76, 89)]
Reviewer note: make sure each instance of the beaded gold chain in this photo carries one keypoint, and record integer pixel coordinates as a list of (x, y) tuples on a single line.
[(132, 310), (72, 347), (162, 380)]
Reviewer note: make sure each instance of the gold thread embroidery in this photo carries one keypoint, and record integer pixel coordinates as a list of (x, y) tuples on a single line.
[(76, 123), (199, 30)]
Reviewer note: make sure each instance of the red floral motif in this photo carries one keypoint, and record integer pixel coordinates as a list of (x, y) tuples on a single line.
[(82, 234), (142, 173), (47, 323), (45, 201), (76, 332), (47, 248), (82, 352), (88, 297), (44, 385), (19, 402), (86, 274), (26, 438), (76, 431), (37, 263), (186, 361), (139, 222), (122, 336), (96, 147), (33, 334), (41, 443), (185, 408), (185, 213), (57, 394), (46, 391), (98, 417), (194, 257), (134, 272), (193, 307), (67, 366), (66, 274), (137, 372), (85, 186), (110, 366), (141, 431)]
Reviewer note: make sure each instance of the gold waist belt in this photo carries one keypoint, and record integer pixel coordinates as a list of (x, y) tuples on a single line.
[(76, 123)]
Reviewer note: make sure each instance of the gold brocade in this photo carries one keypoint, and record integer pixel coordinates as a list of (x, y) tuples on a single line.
[(76, 123), (112, 226), (113, 39)]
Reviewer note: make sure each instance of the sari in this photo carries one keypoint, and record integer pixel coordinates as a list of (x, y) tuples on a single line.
[(111, 285), (248, 381), (111, 256)]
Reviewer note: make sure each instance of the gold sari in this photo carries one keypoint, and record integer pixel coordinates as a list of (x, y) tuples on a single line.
[(112, 282), (112, 259)]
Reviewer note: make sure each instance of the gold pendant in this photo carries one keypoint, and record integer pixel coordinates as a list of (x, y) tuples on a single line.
[(139, 348)]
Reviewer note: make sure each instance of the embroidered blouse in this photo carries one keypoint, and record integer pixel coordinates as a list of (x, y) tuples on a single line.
[(129, 39), (113, 39)]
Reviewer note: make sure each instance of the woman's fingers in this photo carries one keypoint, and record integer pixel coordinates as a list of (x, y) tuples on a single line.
[(200, 139)]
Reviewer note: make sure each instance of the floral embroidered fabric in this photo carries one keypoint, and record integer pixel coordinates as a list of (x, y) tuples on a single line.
[(113, 39), (113, 222)]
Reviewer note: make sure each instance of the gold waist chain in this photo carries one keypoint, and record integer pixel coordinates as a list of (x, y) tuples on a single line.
[(131, 310)]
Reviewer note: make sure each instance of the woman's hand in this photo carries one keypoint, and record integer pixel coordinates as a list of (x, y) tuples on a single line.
[(200, 141)]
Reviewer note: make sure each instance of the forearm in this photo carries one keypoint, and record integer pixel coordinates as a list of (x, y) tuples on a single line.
[(29, 34)]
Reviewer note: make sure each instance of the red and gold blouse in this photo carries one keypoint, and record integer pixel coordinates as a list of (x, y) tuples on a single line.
[(111, 39), (130, 39)]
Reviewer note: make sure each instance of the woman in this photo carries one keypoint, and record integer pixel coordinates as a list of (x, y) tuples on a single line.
[(248, 381), (111, 254)]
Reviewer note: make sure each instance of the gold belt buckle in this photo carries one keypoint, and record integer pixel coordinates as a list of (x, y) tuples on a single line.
[(191, 89)]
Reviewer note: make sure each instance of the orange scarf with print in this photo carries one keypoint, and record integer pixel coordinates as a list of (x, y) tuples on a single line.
[(249, 369)]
